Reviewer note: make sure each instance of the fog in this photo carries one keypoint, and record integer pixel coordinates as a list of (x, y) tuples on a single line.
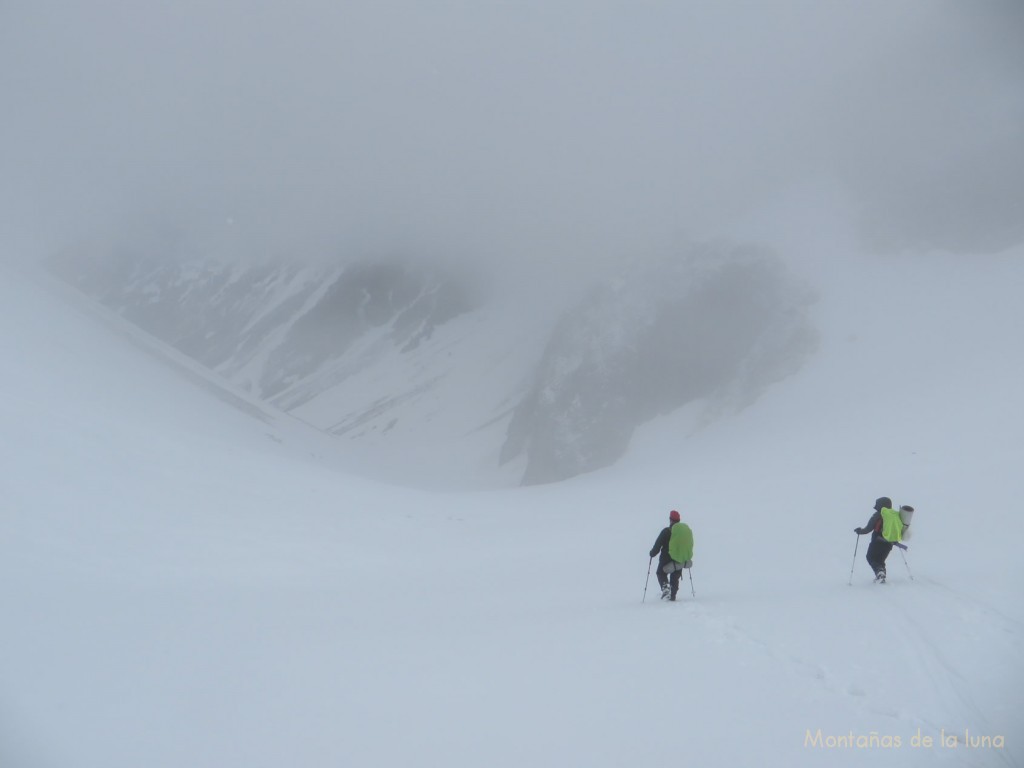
[(512, 134)]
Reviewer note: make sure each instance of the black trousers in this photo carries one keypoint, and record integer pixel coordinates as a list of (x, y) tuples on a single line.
[(672, 580), (878, 550)]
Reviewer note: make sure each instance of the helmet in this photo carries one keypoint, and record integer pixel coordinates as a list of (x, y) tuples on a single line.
[(882, 501), (673, 516)]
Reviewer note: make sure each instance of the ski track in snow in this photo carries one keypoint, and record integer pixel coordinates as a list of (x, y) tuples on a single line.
[(948, 685)]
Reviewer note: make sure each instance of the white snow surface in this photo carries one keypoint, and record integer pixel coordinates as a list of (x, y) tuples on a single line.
[(188, 579)]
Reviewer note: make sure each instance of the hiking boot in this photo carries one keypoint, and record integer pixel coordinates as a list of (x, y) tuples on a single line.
[(880, 577), (664, 592)]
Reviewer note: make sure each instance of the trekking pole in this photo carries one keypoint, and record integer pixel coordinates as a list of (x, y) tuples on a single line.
[(902, 547), (693, 592), (648, 579), (854, 563)]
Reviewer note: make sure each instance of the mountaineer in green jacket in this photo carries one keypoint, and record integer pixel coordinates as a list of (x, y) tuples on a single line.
[(675, 545), (886, 529)]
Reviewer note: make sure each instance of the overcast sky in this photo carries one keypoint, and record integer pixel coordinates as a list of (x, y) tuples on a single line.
[(518, 131)]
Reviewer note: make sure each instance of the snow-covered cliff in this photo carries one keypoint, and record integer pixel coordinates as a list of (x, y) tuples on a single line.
[(441, 384)]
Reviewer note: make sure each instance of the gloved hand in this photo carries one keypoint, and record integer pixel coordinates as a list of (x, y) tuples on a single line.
[(859, 531)]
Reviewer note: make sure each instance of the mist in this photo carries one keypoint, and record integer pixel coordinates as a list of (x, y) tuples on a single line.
[(516, 136)]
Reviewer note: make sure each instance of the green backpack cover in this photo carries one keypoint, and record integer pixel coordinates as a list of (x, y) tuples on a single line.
[(680, 543), (892, 525)]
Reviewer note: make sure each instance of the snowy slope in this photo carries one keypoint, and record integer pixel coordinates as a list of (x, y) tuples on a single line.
[(440, 382), (393, 358), (180, 587)]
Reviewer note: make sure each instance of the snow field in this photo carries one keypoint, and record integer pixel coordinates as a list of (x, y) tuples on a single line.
[(183, 584)]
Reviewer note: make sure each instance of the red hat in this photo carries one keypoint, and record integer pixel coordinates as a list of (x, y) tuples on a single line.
[(673, 516)]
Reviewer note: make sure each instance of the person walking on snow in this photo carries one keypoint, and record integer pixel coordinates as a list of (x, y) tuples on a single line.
[(674, 546), (886, 529)]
